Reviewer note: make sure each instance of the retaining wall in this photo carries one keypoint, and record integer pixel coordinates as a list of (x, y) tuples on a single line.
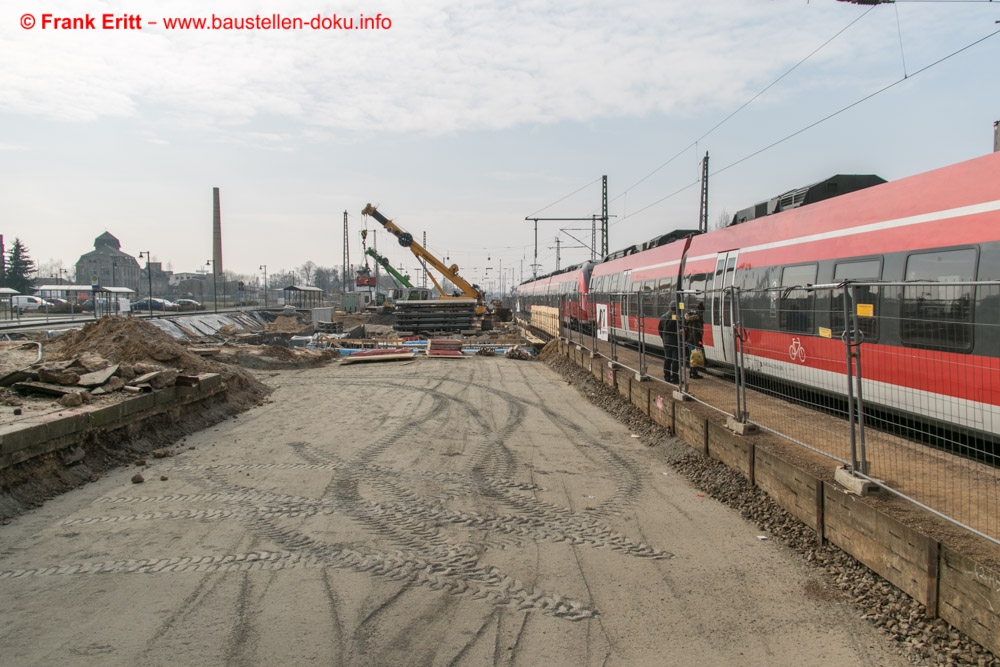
[(34, 436), (950, 585)]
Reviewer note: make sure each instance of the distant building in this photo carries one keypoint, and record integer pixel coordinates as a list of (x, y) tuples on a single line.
[(108, 266)]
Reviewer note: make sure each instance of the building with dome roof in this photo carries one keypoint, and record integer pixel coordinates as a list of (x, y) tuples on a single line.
[(108, 266)]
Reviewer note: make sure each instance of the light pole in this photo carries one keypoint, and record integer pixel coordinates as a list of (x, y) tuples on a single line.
[(264, 269), (149, 275), (114, 283), (215, 289)]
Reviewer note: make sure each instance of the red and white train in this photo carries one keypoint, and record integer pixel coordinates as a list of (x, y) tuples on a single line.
[(932, 352), (565, 289)]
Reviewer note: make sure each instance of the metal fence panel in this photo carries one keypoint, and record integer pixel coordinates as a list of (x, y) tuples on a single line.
[(916, 363)]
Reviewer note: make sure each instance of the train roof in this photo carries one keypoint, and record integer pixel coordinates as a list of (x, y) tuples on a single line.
[(837, 185), (904, 214)]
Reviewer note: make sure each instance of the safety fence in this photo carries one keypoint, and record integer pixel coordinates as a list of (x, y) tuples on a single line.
[(899, 382)]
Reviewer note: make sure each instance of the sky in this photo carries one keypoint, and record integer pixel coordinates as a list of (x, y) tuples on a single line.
[(460, 118)]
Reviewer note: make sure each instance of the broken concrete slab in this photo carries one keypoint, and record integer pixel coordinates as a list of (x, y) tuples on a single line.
[(98, 377)]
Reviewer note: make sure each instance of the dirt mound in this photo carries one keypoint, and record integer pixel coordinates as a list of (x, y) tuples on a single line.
[(285, 324), (133, 341)]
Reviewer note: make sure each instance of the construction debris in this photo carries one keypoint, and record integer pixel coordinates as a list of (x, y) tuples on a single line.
[(444, 347)]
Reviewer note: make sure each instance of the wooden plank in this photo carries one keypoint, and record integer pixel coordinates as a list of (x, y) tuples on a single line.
[(790, 487), (689, 427), (894, 551), (609, 376), (968, 595), (640, 396), (661, 407), (731, 449), (624, 383), (355, 359)]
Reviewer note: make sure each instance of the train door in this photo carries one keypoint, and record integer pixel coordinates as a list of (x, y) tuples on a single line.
[(626, 301), (721, 308)]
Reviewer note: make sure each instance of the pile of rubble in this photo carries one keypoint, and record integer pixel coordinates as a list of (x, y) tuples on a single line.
[(140, 354), (78, 380)]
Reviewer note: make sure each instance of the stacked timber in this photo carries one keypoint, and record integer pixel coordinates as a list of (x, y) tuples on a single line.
[(444, 347)]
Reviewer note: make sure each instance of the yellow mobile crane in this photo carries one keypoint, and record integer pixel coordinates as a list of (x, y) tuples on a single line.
[(449, 312)]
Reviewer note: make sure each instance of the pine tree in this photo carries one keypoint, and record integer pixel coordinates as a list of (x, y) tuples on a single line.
[(20, 268)]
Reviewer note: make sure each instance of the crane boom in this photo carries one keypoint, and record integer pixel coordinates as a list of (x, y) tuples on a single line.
[(403, 282), (468, 290)]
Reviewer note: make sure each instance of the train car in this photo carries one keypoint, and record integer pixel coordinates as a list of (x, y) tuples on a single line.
[(566, 289), (940, 227)]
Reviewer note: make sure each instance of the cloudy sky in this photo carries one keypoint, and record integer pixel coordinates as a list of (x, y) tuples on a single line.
[(459, 118)]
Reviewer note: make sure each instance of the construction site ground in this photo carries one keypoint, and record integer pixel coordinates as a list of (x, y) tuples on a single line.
[(427, 511)]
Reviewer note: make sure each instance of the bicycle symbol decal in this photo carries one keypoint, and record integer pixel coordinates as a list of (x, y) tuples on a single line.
[(796, 350)]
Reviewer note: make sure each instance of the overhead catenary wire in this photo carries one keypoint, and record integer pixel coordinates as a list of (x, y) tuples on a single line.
[(596, 180), (899, 30), (743, 106), (856, 103), (815, 123)]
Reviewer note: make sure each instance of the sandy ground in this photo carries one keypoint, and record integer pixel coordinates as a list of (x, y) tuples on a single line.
[(434, 512)]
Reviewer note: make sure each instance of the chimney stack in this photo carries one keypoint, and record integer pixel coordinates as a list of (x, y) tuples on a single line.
[(216, 234)]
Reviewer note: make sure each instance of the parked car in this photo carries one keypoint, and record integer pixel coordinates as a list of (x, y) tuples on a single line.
[(87, 306), (158, 304), (23, 303), (145, 305), (58, 305), (188, 304)]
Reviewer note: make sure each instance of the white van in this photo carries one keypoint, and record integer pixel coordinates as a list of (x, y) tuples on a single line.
[(22, 303)]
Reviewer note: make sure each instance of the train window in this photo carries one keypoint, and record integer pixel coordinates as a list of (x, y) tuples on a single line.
[(867, 295), (696, 284), (615, 282), (796, 307), (939, 316)]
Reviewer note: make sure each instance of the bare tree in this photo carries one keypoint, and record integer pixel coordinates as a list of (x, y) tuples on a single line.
[(308, 271), (53, 269), (721, 222)]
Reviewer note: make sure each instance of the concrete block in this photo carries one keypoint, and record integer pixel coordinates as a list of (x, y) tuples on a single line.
[(855, 485), (106, 416), (138, 405), (164, 397), (210, 382), (740, 428), (15, 437), (68, 422)]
